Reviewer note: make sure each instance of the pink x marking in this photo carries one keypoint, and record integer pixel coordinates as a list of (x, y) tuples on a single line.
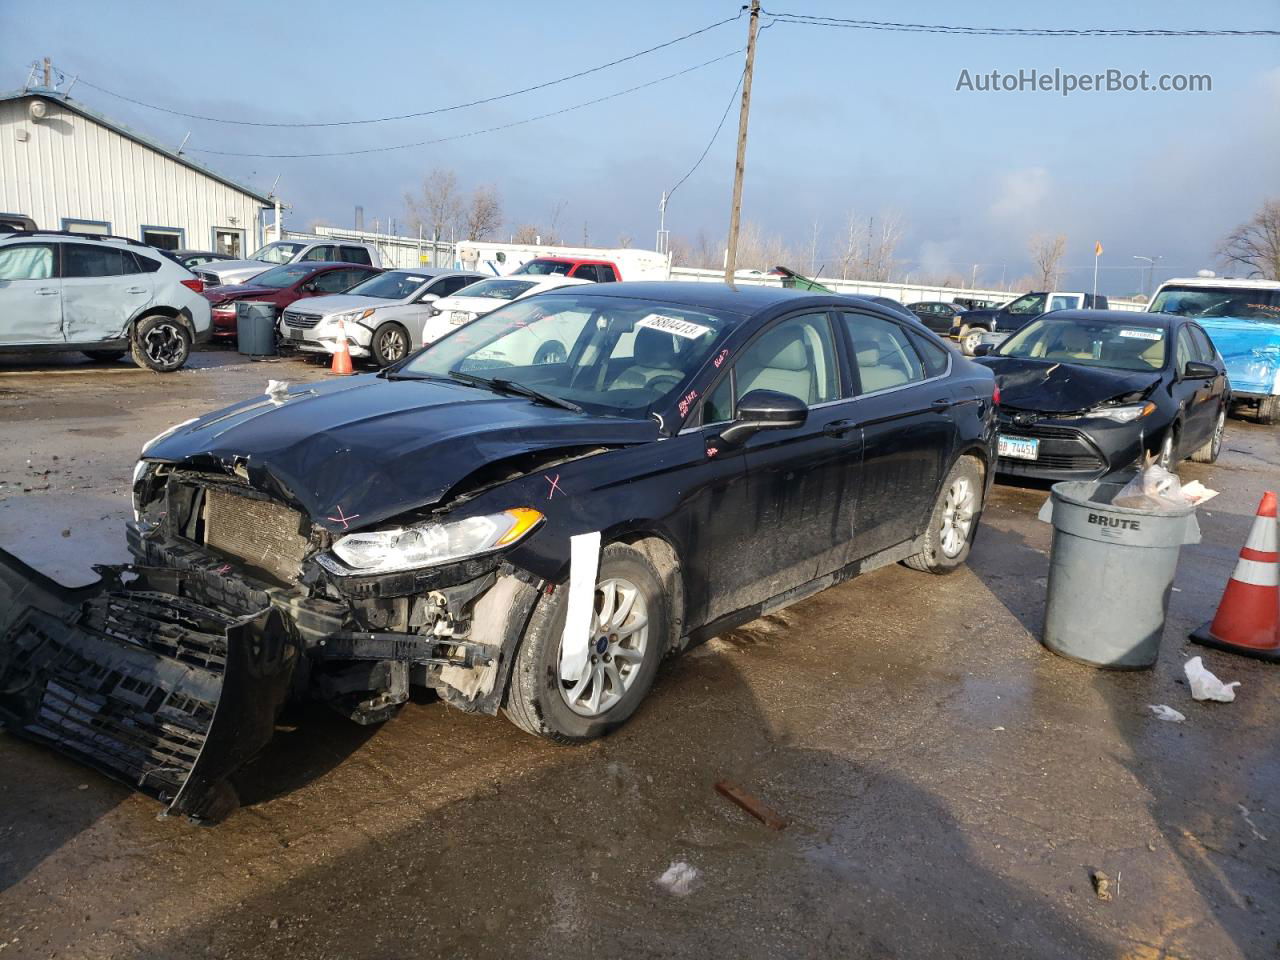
[(343, 519), (555, 485)]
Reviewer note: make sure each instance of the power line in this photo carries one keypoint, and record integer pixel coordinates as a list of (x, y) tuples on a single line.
[(472, 133), (815, 20), (421, 113), (710, 143)]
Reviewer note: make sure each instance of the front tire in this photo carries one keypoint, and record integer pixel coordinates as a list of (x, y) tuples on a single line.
[(1209, 452), (160, 343), (630, 632), (1269, 410), (953, 520), (390, 344)]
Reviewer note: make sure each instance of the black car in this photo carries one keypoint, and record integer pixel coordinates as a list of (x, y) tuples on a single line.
[(938, 316), (1085, 393), (532, 537), (195, 258)]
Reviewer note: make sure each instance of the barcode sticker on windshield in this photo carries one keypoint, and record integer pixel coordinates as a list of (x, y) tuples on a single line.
[(1142, 334), (681, 328)]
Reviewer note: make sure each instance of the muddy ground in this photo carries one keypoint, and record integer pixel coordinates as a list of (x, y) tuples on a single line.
[(948, 784)]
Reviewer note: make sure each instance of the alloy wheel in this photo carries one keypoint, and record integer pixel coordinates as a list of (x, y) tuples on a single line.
[(163, 344), (391, 346), (619, 636), (1219, 431), (957, 516), (971, 342)]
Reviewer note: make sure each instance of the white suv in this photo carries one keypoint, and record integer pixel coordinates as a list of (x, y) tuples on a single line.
[(326, 250), (102, 296)]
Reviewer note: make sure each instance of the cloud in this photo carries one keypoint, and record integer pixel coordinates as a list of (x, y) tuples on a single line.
[(1021, 194)]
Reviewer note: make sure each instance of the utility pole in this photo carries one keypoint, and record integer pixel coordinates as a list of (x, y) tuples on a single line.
[(735, 210), (1151, 270), (48, 74)]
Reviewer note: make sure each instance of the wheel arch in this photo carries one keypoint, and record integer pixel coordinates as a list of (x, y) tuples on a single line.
[(162, 310)]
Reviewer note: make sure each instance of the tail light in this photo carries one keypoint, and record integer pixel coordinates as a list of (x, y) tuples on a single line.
[(195, 284), (995, 395)]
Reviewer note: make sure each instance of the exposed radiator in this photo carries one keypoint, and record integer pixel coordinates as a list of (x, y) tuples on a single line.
[(266, 535)]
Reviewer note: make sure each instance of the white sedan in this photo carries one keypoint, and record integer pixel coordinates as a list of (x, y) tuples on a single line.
[(483, 297)]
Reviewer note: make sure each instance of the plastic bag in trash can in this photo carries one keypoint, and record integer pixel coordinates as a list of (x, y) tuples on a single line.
[(1153, 489)]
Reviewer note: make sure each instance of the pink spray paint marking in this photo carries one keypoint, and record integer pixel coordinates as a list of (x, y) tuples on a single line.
[(720, 359), (712, 451), (687, 401), (343, 519), (555, 485)]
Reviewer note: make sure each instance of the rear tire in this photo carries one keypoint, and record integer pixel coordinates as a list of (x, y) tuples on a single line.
[(953, 520), (538, 699), (1269, 410), (389, 345), (104, 356), (160, 343), (1209, 452)]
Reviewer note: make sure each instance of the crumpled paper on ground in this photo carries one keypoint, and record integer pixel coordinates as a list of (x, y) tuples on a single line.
[(679, 878), (1205, 686), (1164, 712)]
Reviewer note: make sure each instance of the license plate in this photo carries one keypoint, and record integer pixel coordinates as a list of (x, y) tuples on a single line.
[(459, 317), (294, 333), (1020, 448)]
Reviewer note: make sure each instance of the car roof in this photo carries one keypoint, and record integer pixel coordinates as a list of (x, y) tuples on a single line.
[(743, 299), (1130, 317), (1210, 283)]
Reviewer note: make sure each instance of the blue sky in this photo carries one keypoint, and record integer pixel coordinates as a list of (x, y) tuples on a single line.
[(843, 121)]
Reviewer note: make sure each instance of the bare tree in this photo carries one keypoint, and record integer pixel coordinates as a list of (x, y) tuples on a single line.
[(1046, 257), (483, 214), (884, 233), (438, 208), (1255, 245), (682, 255), (526, 233)]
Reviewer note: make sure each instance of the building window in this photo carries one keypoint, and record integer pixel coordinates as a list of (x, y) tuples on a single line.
[(97, 228), (163, 238), (230, 241)]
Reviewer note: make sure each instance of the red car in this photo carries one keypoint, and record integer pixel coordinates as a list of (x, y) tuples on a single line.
[(281, 286), (597, 271)]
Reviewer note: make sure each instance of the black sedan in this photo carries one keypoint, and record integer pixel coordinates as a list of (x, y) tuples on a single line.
[(515, 535), (1085, 393), (938, 316)]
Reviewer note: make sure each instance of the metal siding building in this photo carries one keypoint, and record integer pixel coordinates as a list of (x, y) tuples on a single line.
[(74, 169)]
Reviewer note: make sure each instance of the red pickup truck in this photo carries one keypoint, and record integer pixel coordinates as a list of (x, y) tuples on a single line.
[(598, 271)]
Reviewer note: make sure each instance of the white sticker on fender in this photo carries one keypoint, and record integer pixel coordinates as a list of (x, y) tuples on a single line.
[(681, 328), (1142, 334), (575, 642)]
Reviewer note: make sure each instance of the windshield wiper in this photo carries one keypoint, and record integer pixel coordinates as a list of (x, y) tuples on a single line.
[(499, 385)]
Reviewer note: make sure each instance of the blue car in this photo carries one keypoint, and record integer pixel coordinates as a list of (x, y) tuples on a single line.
[(1242, 317)]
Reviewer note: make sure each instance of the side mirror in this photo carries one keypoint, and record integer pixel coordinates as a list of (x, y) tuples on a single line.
[(982, 349), (308, 287), (765, 410), (1195, 370), (430, 298)]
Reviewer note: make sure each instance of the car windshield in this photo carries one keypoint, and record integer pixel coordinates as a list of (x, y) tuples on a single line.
[(280, 277), (614, 356), (1090, 343), (280, 252), (545, 268), (497, 288), (392, 285), (1198, 302)]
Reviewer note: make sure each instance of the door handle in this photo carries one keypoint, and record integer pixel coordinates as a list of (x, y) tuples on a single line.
[(135, 290), (838, 428), (940, 406), (46, 292)]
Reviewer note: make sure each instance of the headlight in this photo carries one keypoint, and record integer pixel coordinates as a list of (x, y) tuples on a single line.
[(1124, 414), (430, 544), (354, 316)]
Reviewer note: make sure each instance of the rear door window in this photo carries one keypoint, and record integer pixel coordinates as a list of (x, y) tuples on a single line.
[(934, 356), (585, 271), (882, 352), (26, 261), (93, 260), (355, 255), (335, 281), (1207, 353)]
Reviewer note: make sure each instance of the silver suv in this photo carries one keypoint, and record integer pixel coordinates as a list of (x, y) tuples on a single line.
[(102, 296), (327, 250)]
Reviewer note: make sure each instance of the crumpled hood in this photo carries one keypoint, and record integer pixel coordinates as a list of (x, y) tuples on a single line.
[(360, 451), (235, 291), (1051, 387)]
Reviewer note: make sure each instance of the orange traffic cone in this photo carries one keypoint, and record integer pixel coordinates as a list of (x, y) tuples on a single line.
[(341, 365), (1248, 619)]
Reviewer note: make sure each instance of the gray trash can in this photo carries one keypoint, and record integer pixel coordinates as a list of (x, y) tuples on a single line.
[(256, 329), (1110, 574)]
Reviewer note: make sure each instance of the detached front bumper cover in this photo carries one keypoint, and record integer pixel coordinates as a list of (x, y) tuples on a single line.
[(135, 677)]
